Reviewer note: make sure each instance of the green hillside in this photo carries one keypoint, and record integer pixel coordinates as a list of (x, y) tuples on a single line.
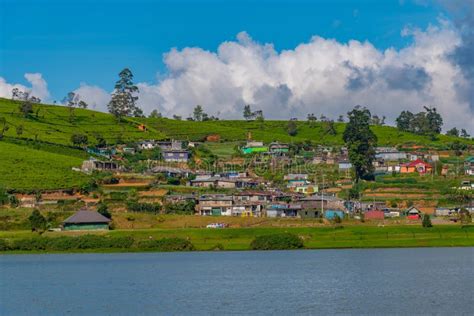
[(40, 156), (27, 169), (50, 123)]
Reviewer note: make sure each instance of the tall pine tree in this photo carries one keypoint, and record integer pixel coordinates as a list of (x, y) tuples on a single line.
[(124, 96)]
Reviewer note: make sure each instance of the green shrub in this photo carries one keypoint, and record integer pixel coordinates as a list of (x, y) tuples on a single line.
[(426, 221), (133, 206), (4, 245), (29, 244), (277, 242), (68, 243), (167, 244)]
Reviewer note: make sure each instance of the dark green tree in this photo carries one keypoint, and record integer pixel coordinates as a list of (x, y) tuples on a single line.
[(26, 108), (82, 104), (434, 120), (103, 209), (19, 130), (453, 132), (457, 147), (37, 221), (3, 196), (465, 216), (71, 101), (464, 133), (79, 139), (124, 96), (197, 113), (155, 114), (426, 222), (329, 127), (248, 114), (361, 142), (404, 121), (3, 127), (101, 142), (292, 128)]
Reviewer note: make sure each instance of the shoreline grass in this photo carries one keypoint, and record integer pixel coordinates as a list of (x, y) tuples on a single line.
[(240, 239)]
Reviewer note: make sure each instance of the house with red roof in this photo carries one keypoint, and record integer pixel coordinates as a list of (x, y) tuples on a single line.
[(417, 165)]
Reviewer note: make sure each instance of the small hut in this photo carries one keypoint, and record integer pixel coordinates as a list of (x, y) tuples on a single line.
[(86, 220)]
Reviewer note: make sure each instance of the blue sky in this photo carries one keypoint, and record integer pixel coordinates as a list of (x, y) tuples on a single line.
[(70, 42), (287, 58)]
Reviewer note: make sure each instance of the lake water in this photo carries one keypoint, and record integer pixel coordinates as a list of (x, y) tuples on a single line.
[(373, 281)]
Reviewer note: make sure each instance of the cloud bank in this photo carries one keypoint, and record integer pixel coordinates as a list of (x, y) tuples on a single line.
[(322, 76)]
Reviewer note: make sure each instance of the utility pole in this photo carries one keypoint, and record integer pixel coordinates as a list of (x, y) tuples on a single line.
[(322, 198)]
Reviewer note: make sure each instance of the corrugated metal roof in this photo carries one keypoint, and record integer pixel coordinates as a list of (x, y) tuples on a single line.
[(85, 216)]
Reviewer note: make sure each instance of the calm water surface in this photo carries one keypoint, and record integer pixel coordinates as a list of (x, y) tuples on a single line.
[(375, 281)]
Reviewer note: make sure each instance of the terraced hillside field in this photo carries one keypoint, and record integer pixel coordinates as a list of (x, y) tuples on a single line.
[(23, 168)]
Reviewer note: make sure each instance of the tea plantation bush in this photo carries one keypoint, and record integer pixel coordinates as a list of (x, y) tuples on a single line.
[(277, 242), (167, 244)]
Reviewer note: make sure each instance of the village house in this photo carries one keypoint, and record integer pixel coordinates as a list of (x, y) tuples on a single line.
[(469, 166), (296, 180), (416, 166), (306, 189), (321, 202), (175, 155), (203, 181), (389, 154), (171, 171), (216, 204), (104, 152), (254, 147), (86, 220), (374, 215), (283, 210), (344, 165), (27, 201), (170, 144), (254, 196), (318, 159), (147, 144), (178, 198), (248, 209), (277, 148), (93, 164), (332, 214), (413, 213), (444, 211)]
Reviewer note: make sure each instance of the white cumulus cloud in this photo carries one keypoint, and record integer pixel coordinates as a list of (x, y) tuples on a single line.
[(38, 88), (96, 97), (322, 76)]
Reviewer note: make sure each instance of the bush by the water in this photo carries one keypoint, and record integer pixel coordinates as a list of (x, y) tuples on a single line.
[(277, 242), (167, 244), (68, 243)]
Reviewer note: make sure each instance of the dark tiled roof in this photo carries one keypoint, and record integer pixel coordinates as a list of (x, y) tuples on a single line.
[(85, 216)]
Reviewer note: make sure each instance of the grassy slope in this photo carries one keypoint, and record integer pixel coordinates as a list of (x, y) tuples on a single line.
[(52, 125), (314, 238), (26, 168), (276, 131)]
